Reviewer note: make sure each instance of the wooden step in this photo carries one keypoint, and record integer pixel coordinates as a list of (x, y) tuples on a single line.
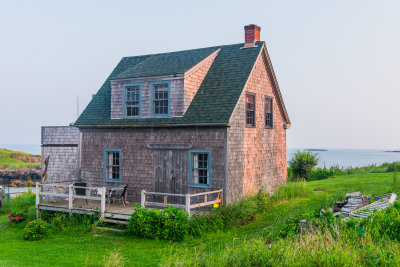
[(114, 221), (110, 229)]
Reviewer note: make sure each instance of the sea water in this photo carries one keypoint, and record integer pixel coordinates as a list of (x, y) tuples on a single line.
[(350, 157)]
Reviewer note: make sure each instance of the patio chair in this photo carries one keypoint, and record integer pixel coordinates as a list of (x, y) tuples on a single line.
[(118, 193), (81, 191)]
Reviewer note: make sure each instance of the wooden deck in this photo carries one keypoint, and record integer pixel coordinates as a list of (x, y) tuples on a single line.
[(114, 210)]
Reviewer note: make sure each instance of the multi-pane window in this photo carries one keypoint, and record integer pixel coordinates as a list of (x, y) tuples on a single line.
[(268, 113), (132, 101), (160, 99), (200, 168), (250, 110), (112, 166)]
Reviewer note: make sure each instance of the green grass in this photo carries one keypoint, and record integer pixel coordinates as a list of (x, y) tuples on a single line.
[(71, 248), (8, 160)]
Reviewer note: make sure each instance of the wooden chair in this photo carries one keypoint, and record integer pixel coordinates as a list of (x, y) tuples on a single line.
[(118, 193)]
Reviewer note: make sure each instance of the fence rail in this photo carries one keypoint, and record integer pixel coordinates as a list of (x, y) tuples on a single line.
[(68, 194), (187, 206)]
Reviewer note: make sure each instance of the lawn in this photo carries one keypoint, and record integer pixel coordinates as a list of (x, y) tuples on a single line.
[(92, 249)]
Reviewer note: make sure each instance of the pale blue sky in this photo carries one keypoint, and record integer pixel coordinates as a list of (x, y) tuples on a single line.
[(337, 62)]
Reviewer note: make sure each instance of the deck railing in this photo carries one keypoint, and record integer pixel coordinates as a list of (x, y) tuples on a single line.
[(187, 200), (67, 194)]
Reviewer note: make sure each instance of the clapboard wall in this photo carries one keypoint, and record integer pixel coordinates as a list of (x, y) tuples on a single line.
[(61, 143)]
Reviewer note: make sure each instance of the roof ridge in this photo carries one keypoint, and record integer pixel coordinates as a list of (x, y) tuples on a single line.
[(186, 50)]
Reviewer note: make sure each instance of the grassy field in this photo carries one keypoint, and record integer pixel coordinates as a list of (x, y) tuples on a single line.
[(78, 248), (18, 160)]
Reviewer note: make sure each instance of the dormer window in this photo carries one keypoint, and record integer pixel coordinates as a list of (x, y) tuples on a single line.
[(160, 99), (132, 100)]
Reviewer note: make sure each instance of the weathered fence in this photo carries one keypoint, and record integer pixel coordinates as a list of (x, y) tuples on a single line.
[(187, 206), (63, 197)]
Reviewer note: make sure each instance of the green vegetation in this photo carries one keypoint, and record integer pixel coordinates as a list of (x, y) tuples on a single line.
[(18, 160), (170, 223), (261, 230), (301, 164)]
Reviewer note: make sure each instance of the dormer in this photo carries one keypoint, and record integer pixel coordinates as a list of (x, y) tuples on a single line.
[(161, 85)]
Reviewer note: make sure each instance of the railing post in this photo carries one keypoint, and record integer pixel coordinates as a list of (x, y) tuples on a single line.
[(187, 208), (143, 199), (103, 202), (70, 196), (37, 200)]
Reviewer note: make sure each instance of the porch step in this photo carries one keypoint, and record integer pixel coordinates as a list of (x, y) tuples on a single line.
[(114, 221), (110, 229)]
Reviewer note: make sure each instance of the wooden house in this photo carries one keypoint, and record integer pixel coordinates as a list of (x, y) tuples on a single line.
[(180, 122)]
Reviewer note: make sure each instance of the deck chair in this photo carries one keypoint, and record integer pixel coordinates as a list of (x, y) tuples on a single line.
[(118, 193)]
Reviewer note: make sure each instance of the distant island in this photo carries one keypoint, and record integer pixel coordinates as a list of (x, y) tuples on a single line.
[(315, 149), (393, 151)]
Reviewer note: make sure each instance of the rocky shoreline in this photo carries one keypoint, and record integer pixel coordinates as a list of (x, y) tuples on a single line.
[(24, 175)]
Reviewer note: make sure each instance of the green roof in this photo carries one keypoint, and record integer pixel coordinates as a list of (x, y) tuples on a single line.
[(213, 103)]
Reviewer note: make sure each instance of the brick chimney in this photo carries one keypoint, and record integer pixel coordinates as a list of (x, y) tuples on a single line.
[(251, 35)]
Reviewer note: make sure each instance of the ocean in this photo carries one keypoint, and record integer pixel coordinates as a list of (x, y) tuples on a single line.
[(351, 157)]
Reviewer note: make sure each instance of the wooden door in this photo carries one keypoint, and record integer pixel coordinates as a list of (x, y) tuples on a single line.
[(170, 172)]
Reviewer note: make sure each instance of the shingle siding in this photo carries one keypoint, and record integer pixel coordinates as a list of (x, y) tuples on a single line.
[(61, 143), (256, 154), (138, 160)]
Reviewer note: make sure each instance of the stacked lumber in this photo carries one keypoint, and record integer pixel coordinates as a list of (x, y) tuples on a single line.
[(381, 202), (352, 202)]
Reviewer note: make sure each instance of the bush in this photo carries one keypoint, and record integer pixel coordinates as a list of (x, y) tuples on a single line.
[(35, 230), (16, 217), (170, 223), (393, 167), (302, 163)]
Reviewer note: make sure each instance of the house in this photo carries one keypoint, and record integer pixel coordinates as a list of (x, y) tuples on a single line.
[(180, 122)]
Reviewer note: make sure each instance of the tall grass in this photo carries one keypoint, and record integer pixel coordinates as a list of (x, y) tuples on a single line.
[(27, 200), (372, 242), (245, 210)]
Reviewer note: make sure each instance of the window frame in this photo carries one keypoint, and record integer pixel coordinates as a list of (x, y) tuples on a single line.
[(106, 152), (152, 84), (124, 106), (254, 110), (191, 153), (272, 113)]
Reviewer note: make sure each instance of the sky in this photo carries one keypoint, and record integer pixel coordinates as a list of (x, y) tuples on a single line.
[(337, 62)]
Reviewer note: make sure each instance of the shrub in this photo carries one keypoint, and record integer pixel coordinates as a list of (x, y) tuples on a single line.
[(170, 223), (35, 230), (393, 167), (302, 163), (16, 217)]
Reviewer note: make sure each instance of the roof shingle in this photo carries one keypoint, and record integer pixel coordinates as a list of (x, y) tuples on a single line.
[(213, 103)]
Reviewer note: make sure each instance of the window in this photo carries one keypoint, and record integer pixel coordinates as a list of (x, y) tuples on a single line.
[(268, 112), (132, 100), (250, 110), (112, 165), (160, 96), (200, 168)]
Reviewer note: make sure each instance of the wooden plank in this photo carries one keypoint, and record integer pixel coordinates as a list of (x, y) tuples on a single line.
[(165, 199), (157, 204), (205, 204), (53, 194), (206, 193), (165, 194), (84, 197)]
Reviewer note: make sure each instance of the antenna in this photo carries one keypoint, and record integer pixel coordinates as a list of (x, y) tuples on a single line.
[(77, 107)]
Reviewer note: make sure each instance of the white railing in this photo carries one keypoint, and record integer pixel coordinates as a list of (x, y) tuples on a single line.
[(187, 206), (68, 193)]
